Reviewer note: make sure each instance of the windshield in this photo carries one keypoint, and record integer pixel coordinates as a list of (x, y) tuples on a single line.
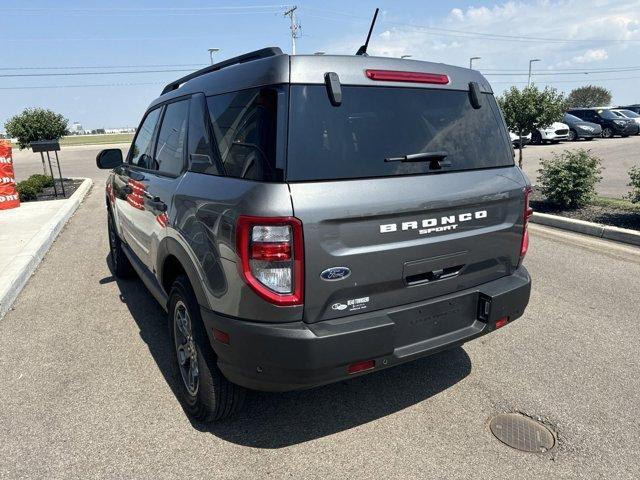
[(377, 123), (608, 114), (629, 113), (571, 118)]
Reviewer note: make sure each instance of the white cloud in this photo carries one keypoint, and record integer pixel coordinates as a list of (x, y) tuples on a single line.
[(585, 23), (593, 55)]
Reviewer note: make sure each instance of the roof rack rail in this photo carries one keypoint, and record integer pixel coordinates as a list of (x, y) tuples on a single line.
[(247, 57)]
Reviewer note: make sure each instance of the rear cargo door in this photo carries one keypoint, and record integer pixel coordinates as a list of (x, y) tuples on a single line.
[(382, 233)]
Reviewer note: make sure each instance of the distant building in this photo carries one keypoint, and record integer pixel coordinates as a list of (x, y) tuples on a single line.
[(76, 129)]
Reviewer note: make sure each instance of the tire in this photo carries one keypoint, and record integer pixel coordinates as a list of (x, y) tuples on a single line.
[(206, 395), (624, 136), (120, 264), (573, 136), (588, 139), (536, 137), (607, 132)]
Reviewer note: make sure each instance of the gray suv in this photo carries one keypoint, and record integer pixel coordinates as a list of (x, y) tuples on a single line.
[(307, 219)]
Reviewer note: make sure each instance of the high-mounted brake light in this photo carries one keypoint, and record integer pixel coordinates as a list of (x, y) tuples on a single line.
[(411, 77), (528, 212), (272, 257)]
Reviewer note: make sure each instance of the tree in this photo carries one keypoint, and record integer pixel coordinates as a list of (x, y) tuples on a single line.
[(589, 96), (529, 109), (36, 124)]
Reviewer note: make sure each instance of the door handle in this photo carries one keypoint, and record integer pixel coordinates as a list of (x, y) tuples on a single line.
[(155, 202)]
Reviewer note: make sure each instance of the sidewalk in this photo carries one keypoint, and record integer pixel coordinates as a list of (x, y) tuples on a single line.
[(26, 233)]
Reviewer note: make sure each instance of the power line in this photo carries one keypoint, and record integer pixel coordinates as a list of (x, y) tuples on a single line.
[(136, 9), (123, 84), (552, 73), (567, 81), (80, 67), (73, 74), (470, 34)]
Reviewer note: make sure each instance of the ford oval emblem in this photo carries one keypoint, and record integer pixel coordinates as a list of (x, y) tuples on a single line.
[(335, 273)]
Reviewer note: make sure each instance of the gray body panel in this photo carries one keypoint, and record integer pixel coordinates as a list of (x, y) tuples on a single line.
[(342, 228)]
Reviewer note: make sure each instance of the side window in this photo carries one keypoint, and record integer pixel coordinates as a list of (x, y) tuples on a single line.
[(245, 129), (201, 156), (141, 147), (172, 138)]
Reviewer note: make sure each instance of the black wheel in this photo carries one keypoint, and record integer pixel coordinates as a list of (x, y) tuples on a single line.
[(624, 136), (588, 139), (536, 137), (607, 132), (120, 263), (203, 390), (573, 136)]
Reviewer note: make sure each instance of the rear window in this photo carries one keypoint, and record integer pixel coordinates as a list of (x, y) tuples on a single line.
[(373, 123)]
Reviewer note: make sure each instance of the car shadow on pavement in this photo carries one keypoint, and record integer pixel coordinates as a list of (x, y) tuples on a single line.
[(276, 420)]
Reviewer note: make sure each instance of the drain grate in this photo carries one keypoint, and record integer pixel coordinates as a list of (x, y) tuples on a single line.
[(522, 433)]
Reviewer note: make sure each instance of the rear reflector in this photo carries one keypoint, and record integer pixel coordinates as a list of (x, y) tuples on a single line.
[(528, 212), (361, 366), (222, 337), (501, 322), (410, 77)]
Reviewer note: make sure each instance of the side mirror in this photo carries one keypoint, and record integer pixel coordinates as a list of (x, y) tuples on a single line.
[(109, 158)]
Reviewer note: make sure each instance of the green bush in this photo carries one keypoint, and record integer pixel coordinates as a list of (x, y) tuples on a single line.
[(569, 179), (634, 175), (43, 181), (28, 190), (36, 124)]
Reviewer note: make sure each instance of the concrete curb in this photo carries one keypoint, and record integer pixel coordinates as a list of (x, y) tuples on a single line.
[(623, 235), (35, 250)]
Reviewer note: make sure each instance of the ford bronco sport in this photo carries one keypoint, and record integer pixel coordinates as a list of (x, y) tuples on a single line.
[(306, 219)]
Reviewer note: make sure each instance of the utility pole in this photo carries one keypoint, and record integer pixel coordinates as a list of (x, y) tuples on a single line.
[(295, 27), (530, 62), (471, 61)]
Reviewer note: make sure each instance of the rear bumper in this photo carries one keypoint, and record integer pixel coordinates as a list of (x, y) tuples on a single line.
[(297, 355)]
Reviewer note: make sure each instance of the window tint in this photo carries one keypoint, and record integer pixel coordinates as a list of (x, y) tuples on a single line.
[(172, 136), (141, 148), (245, 128), (374, 123), (201, 157)]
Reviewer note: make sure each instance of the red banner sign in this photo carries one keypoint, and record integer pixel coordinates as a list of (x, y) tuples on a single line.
[(8, 194)]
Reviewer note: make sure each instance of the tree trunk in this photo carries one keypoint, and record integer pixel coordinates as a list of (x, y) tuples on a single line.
[(520, 149)]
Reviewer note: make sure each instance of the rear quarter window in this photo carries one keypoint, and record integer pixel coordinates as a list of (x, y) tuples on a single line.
[(245, 127), (373, 123)]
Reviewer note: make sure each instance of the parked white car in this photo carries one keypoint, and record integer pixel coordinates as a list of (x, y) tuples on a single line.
[(631, 115), (554, 133), (515, 139)]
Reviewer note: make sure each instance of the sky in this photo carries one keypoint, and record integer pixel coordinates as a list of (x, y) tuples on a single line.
[(44, 45)]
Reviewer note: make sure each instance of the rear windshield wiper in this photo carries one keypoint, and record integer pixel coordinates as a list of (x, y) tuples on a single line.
[(435, 159)]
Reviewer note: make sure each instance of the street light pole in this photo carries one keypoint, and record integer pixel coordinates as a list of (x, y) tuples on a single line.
[(530, 62), (212, 52), (471, 61)]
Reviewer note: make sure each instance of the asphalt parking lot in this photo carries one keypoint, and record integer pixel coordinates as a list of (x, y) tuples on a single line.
[(618, 156), (86, 391)]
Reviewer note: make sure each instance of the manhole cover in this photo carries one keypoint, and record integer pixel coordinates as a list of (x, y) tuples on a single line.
[(522, 433)]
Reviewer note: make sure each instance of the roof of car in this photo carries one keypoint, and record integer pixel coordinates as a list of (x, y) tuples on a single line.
[(271, 67)]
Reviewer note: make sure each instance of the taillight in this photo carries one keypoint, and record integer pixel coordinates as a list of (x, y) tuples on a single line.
[(411, 77), (528, 211), (271, 257)]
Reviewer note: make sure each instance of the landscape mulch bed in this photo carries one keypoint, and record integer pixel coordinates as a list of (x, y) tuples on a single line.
[(604, 214), (70, 186)]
